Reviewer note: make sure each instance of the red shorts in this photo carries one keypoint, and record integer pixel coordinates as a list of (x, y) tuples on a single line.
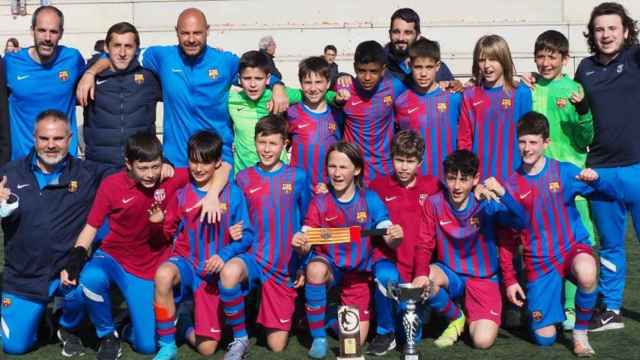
[(208, 314), (355, 290), (277, 304), (483, 300)]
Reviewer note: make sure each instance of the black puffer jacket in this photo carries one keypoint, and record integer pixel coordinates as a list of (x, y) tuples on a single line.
[(125, 104)]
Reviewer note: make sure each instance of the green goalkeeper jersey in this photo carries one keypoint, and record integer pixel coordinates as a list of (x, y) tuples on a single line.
[(245, 114), (570, 132)]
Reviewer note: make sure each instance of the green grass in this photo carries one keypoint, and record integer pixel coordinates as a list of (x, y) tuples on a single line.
[(619, 344)]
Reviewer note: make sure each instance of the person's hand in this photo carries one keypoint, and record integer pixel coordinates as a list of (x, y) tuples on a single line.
[(300, 243), (492, 184), (342, 96), (64, 279), (424, 282), (214, 264), (321, 188), (529, 79), (210, 210), (480, 192), (299, 280), (78, 256), (235, 231), (452, 86), (85, 90), (279, 100), (577, 96), (587, 175), (156, 214), (4, 191), (394, 235), (344, 81), (166, 172), (515, 294)]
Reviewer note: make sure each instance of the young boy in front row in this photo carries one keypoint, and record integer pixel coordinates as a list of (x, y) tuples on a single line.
[(200, 251), (403, 193), (463, 231), (278, 196), (556, 245), (563, 102)]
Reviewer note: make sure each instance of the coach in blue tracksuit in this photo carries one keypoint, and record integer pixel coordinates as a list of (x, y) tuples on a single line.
[(125, 99), (610, 79), (52, 193)]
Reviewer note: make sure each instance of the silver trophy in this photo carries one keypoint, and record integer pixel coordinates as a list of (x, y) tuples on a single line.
[(406, 293)]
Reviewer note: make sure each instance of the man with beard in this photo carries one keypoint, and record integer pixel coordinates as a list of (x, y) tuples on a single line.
[(28, 70), (46, 197)]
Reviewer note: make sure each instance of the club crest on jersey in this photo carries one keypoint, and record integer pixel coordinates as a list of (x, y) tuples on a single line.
[(332, 128), (213, 74), (159, 195), (474, 221), (388, 100), (223, 208), (73, 186), (561, 103), (63, 75), (287, 188), (620, 68), (138, 79), (536, 315), (6, 302), (505, 103), (554, 186), (361, 216), (442, 107), (422, 198)]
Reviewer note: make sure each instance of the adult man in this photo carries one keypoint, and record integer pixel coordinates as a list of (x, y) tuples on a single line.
[(53, 193), (42, 77), (268, 46), (196, 80), (608, 79), (127, 87), (5, 149), (329, 54)]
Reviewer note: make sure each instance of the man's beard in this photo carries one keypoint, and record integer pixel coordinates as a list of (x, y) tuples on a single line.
[(50, 161), (401, 53)]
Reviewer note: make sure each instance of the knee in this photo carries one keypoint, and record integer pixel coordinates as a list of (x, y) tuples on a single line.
[(387, 274), (483, 340), (207, 348), (15, 347), (164, 278), (94, 278), (317, 272), (545, 336), (231, 274), (277, 346)]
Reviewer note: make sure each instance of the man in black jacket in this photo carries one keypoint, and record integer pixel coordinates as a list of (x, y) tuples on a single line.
[(5, 145), (267, 46), (125, 99)]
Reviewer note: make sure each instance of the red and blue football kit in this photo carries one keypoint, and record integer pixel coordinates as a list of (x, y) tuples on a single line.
[(369, 123), (554, 236), (311, 135), (277, 202), (434, 116), (488, 127)]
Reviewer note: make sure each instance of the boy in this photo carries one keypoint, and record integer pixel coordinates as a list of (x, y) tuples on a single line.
[(563, 102), (313, 124), (132, 250), (251, 104), (463, 232), (428, 109), (200, 251), (368, 115), (403, 193), (555, 244), (278, 196)]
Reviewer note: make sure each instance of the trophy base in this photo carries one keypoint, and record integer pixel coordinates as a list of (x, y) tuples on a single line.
[(412, 357)]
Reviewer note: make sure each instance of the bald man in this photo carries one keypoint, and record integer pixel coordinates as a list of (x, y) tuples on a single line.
[(195, 81)]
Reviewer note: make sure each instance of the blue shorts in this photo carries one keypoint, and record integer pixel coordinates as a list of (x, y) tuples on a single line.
[(545, 300)]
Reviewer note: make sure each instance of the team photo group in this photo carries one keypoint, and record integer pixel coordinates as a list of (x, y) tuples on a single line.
[(340, 193)]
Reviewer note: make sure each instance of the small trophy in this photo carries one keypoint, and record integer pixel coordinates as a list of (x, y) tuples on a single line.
[(410, 296), (349, 333)]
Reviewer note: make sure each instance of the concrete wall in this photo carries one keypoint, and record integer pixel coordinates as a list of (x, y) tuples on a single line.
[(302, 28)]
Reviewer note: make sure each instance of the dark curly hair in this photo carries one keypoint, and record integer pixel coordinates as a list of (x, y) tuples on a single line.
[(611, 8)]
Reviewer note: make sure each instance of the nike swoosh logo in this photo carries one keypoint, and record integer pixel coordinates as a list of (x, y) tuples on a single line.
[(215, 331), (412, 110), (606, 321), (251, 191), (176, 70), (284, 321), (302, 126), (476, 103), (354, 103), (126, 201), (493, 313), (525, 195), (20, 186), (22, 77), (389, 198), (330, 219), (589, 73), (188, 210), (100, 82), (445, 222)]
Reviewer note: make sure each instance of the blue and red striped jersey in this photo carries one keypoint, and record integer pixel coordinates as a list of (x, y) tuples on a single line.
[(465, 240), (554, 224), (311, 135), (198, 241), (277, 202), (488, 127), (434, 116), (365, 210), (369, 123)]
